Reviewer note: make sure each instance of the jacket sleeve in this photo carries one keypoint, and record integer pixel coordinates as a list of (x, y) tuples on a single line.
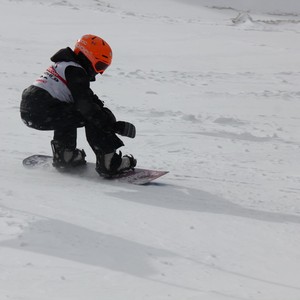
[(86, 102)]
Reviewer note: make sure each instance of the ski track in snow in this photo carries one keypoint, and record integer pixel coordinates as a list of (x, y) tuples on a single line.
[(224, 223)]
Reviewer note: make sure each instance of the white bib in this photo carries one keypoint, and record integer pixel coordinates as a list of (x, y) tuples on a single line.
[(53, 80)]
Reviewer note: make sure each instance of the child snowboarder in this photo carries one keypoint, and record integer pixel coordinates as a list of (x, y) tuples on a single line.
[(61, 100)]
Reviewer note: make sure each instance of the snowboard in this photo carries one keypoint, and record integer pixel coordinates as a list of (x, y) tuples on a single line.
[(137, 176)]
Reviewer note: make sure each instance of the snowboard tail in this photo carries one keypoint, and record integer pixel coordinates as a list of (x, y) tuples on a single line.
[(137, 176)]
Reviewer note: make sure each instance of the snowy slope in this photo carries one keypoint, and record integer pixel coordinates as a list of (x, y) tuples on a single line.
[(278, 7), (215, 98)]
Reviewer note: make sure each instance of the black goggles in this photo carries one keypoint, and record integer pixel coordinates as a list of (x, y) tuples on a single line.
[(100, 66)]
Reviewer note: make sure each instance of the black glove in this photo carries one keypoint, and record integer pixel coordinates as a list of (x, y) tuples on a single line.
[(124, 128)]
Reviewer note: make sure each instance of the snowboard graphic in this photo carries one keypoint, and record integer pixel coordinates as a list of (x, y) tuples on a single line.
[(136, 176)]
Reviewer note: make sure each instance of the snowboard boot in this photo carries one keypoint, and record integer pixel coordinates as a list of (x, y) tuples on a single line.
[(112, 164), (64, 157)]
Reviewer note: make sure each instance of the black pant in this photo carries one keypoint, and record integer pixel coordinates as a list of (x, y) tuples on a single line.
[(39, 110)]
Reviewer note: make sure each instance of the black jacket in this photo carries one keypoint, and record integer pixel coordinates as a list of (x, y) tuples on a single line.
[(37, 102), (78, 82)]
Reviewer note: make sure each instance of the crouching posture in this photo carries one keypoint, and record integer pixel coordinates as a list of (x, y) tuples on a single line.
[(61, 100)]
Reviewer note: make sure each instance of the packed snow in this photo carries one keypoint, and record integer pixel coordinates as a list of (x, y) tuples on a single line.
[(213, 89)]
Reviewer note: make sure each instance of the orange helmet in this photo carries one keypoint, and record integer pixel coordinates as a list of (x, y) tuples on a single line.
[(96, 50)]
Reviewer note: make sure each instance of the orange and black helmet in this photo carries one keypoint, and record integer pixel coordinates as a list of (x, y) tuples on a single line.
[(96, 50)]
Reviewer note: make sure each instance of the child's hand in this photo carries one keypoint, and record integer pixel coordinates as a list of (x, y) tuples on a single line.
[(124, 128)]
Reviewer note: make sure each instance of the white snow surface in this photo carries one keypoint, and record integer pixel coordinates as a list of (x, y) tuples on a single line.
[(214, 94)]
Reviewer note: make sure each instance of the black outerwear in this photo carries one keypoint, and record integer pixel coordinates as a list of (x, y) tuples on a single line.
[(41, 111)]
